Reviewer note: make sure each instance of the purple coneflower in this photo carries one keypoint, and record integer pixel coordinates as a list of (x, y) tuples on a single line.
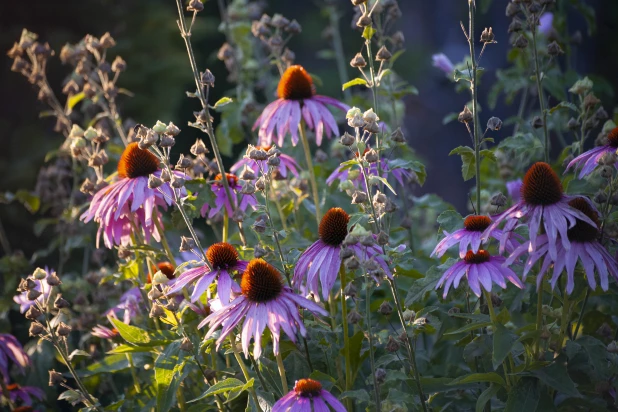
[(24, 394), (481, 270), (129, 202), (470, 237), (443, 63), (308, 396), (288, 164), (226, 264), (221, 199), (297, 98), (585, 247), (104, 332), (542, 201), (321, 261), (403, 176), (264, 301), (546, 23), (513, 188), (128, 304), (41, 286), (589, 160), (11, 349)]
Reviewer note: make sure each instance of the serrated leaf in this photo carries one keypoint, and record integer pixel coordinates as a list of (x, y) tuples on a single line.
[(168, 371), (563, 105), (355, 82), (557, 376), (450, 220), (223, 102), (223, 386), (503, 340), (479, 377), (468, 161), (359, 395), (385, 182)]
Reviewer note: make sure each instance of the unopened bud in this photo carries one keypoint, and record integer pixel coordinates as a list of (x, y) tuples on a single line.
[(260, 184), (350, 240), (494, 123), (61, 303), (573, 124), (385, 309), (347, 139), (359, 197), (274, 161), (354, 317), (259, 252), (247, 174), (63, 329), (238, 216), (36, 329), (409, 315), (186, 345), (259, 226), (356, 121), (154, 182)]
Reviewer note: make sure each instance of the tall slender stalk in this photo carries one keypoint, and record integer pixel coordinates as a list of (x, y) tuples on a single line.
[(539, 87), (376, 387), (475, 114), (346, 336), (284, 379), (334, 15), (245, 372), (313, 182)]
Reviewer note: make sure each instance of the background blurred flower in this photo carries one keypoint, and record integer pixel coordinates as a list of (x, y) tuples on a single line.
[(11, 349), (443, 63), (589, 160), (221, 199), (40, 285), (546, 22)]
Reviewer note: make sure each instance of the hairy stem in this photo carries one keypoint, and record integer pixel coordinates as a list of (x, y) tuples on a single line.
[(376, 386), (313, 182), (539, 87), (475, 115), (346, 337)]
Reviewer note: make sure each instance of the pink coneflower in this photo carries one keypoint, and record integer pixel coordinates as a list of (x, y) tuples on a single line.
[(589, 160), (11, 349), (321, 261), (41, 286), (221, 199), (24, 394), (104, 332), (264, 301), (585, 247), (297, 98), (480, 270), (542, 201), (470, 237), (288, 164), (308, 396), (226, 264), (129, 202), (443, 63)]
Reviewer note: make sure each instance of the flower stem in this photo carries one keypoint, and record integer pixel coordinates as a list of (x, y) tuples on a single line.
[(494, 321), (314, 184), (226, 226), (136, 384), (284, 379), (166, 245), (346, 337), (334, 15), (333, 325), (581, 314), (539, 318), (245, 372), (566, 315), (540, 91), (376, 387), (475, 114)]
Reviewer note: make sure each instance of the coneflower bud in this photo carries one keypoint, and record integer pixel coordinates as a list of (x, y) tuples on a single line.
[(494, 123), (347, 139), (487, 36), (157, 311), (36, 329), (63, 329), (207, 78), (165, 175), (257, 154), (247, 174), (154, 182), (345, 253), (198, 148), (354, 317), (61, 303), (537, 122), (33, 313), (359, 197), (352, 263), (554, 49), (521, 42), (186, 345), (397, 136), (383, 54), (186, 244), (372, 127), (498, 200), (293, 27), (177, 182), (372, 156), (382, 238), (195, 6), (465, 116), (33, 294), (515, 26), (167, 141), (385, 309)]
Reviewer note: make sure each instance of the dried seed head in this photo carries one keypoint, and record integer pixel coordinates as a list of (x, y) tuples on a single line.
[(515, 26), (195, 6), (383, 54), (487, 36), (247, 174), (350, 290), (397, 136), (573, 124), (380, 375), (498, 200), (521, 42), (186, 244), (107, 41), (347, 139), (601, 114), (293, 27), (207, 78), (358, 61), (183, 162), (364, 21), (382, 238), (494, 123), (352, 263), (385, 309), (156, 311), (55, 378), (554, 49), (33, 313), (61, 303), (154, 182), (186, 345), (259, 226), (354, 317), (371, 156), (33, 294), (345, 253), (465, 116), (198, 148), (167, 141), (177, 182), (392, 345), (359, 197)]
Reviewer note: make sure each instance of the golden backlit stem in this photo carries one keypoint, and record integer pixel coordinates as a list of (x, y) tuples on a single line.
[(314, 184)]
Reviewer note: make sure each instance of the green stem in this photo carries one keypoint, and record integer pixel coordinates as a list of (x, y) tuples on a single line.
[(564, 321), (539, 319), (540, 91), (346, 337), (166, 245), (284, 379), (473, 90), (494, 321), (376, 387), (333, 325), (314, 184), (245, 372), (226, 226), (581, 314), (279, 208), (136, 384), (338, 48)]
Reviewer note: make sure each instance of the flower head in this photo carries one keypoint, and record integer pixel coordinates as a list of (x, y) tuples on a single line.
[(24, 394), (307, 396), (42, 286), (288, 164), (104, 332), (481, 271), (129, 202), (589, 160), (11, 350), (264, 301), (222, 200), (443, 63), (226, 264), (297, 99), (542, 200), (321, 261), (470, 237), (585, 248)]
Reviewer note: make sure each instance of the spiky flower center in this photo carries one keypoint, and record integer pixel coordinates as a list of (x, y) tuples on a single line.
[(334, 226), (222, 255), (136, 162), (308, 388), (582, 231), (541, 185), (481, 256), (165, 267), (261, 282), (232, 180), (612, 137), (476, 223), (295, 84)]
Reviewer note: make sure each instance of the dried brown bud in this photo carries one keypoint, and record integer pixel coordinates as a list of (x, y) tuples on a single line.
[(383, 54), (36, 329), (487, 36), (119, 65), (515, 26), (521, 42), (465, 116), (107, 41), (195, 6), (33, 313), (61, 303), (63, 329), (554, 49), (55, 378)]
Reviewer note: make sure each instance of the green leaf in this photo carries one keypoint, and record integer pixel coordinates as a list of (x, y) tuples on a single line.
[(356, 355), (355, 82), (468, 327), (468, 159), (461, 75), (30, 201), (486, 397), (450, 220), (109, 364), (131, 334), (524, 396), (503, 340), (168, 370), (385, 182), (489, 154), (368, 32), (563, 105), (359, 395), (223, 386), (222, 102), (557, 376), (479, 377), (421, 287), (78, 352)]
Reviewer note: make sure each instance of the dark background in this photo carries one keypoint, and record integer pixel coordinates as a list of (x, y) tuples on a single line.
[(158, 73)]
